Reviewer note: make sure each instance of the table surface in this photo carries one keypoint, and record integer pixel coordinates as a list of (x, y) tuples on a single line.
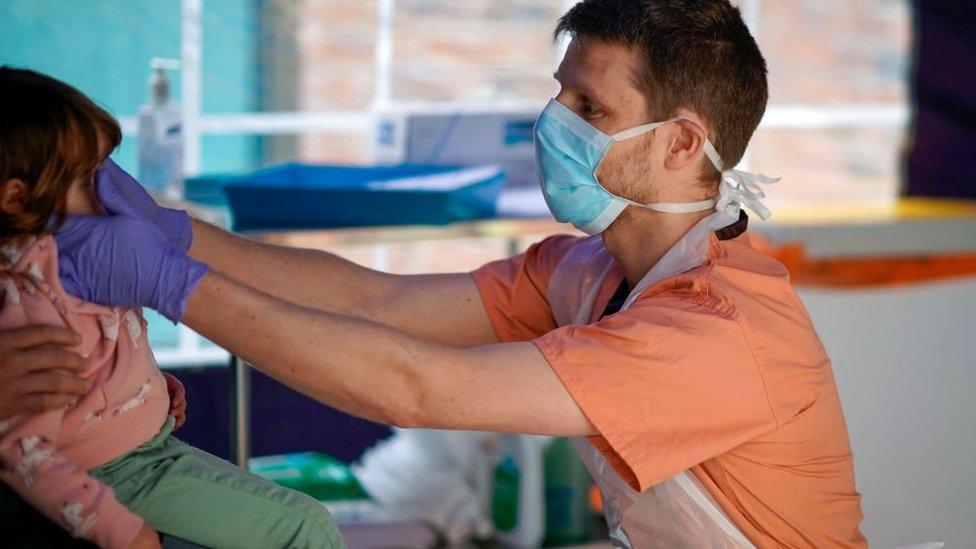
[(907, 226)]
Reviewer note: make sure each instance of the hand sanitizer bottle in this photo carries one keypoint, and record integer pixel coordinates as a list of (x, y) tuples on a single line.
[(160, 147), (517, 500)]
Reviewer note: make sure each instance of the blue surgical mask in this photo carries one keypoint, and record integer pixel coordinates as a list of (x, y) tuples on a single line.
[(569, 151)]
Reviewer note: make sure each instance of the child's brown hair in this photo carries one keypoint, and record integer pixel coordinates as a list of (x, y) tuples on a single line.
[(51, 135)]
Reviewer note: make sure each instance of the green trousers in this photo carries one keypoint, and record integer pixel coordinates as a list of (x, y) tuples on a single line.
[(190, 494)]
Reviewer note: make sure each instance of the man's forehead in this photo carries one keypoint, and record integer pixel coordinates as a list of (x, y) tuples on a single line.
[(598, 68)]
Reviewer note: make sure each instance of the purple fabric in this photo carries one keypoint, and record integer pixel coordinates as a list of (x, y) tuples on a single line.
[(282, 420), (942, 160)]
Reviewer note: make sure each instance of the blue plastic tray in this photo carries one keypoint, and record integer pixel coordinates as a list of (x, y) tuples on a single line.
[(302, 196)]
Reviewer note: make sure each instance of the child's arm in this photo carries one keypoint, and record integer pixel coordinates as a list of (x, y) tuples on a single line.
[(61, 490)]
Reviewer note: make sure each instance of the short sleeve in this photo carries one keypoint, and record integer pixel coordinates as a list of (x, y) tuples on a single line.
[(668, 383), (514, 290)]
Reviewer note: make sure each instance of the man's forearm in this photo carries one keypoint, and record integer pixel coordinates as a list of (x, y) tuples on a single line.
[(358, 366), (311, 278), (381, 373), (445, 309)]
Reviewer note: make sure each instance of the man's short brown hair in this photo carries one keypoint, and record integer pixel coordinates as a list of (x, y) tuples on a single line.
[(699, 55)]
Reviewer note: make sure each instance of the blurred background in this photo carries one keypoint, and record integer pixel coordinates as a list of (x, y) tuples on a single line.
[(871, 124), (838, 82)]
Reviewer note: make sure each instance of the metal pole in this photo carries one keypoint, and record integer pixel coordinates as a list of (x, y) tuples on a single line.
[(241, 432), (381, 257), (383, 55), (752, 14), (383, 73), (191, 84), (514, 246), (563, 43)]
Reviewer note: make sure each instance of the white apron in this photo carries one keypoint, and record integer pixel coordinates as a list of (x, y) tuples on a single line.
[(677, 512)]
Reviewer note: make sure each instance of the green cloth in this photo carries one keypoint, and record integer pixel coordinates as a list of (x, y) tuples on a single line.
[(190, 494)]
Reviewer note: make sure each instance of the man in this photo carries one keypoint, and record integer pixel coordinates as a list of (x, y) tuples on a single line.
[(679, 358)]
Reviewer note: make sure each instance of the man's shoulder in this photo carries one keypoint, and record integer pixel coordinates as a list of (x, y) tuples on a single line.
[(744, 282), (556, 246), (776, 325), (543, 257), (734, 281), (739, 263)]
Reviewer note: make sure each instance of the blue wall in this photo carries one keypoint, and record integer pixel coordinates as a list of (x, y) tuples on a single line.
[(103, 47)]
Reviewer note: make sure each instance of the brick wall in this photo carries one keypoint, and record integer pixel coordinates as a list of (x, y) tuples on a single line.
[(819, 52), (828, 52)]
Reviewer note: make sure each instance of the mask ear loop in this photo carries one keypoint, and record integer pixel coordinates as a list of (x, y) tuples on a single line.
[(713, 155), (640, 130), (669, 207), (736, 187), (709, 149)]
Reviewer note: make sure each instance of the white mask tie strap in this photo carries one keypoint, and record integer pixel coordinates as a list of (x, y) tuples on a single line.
[(742, 189), (681, 207)]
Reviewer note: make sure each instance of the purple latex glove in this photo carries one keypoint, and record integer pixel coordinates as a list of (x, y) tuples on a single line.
[(120, 193), (120, 260)]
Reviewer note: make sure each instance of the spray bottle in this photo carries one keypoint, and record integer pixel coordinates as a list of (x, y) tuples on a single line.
[(517, 498), (160, 135)]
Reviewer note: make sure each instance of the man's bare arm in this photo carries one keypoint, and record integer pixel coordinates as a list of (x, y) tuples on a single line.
[(441, 308), (383, 374)]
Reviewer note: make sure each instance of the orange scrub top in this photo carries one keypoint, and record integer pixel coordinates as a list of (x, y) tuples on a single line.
[(718, 370)]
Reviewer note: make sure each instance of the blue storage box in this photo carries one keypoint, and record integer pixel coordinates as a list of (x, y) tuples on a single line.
[(208, 189), (302, 196)]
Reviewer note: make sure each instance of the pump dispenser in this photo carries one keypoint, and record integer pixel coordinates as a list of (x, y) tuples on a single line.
[(160, 135)]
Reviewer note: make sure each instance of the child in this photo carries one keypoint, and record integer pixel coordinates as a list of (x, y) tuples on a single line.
[(107, 469)]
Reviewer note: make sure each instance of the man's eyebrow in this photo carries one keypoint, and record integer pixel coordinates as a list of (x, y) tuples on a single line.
[(590, 93)]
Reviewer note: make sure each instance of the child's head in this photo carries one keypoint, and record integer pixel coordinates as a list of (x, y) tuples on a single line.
[(52, 139)]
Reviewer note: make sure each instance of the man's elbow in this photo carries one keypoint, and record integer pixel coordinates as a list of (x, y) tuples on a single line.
[(404, 418), (409, 406)]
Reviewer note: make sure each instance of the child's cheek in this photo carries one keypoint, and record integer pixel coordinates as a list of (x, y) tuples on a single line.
[(81, 200)]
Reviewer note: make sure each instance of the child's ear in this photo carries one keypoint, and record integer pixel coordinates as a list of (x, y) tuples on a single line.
[(13, 196)]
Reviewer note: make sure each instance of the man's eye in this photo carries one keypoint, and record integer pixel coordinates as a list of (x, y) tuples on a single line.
[(589, 111)]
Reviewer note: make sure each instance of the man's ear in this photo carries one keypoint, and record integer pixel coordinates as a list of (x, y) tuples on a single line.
[(13, 196), (686, 145)]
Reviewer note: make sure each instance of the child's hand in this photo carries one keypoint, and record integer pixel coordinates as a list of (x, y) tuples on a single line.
[(146, 539), (177, 399)]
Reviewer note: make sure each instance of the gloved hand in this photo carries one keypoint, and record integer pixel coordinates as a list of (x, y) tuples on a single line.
[(120, 260), (120, 193)]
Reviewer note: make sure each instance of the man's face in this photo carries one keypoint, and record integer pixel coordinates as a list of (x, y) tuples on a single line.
[(598, 82)]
